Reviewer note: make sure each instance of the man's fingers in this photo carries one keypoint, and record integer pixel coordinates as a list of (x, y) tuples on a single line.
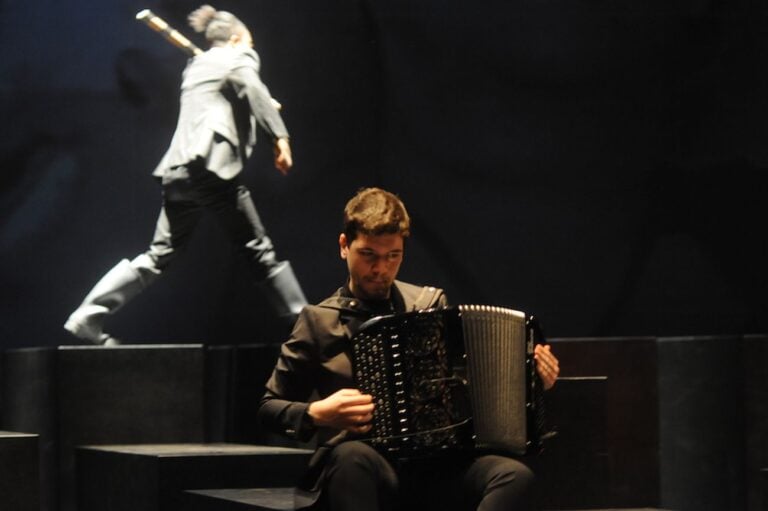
[(547, 365), (356, 399), (349, 392), (363, 409), (544, 356), (360, 429), (282, 165), (361, 419)]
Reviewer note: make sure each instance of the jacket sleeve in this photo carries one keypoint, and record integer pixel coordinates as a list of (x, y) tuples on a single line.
[(246, 82), (283, 408)]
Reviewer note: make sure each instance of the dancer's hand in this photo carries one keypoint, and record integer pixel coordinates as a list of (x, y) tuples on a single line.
[(283, 158)]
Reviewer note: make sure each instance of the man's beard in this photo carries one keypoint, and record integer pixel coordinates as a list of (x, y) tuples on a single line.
[(376, 289)]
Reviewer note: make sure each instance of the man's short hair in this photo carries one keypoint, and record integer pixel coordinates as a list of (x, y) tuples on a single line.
[(219, 26), (373, 211)]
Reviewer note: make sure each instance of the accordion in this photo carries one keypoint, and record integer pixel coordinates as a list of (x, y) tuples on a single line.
[(460, 378)]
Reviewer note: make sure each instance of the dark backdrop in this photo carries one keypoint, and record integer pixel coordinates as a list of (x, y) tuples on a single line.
[(601, 164)]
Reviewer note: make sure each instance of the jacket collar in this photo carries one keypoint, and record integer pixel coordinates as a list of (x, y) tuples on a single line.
[(343, 301)]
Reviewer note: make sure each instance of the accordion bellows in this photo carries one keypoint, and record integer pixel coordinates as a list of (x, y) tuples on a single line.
[(459, 378)]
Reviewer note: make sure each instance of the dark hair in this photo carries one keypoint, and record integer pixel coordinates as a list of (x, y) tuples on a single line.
[(219, 26), (374, 211)]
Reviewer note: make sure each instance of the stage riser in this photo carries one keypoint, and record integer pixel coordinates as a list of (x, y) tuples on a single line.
[(153, 478), (19, 472), (702, 428), (131, 394), (250, 368), (764, 488), (281, 499), (90, 395), (256, 499), (756, 419), (29, 393), (576, 460), (197, 394), (686, 418), (631, 420)]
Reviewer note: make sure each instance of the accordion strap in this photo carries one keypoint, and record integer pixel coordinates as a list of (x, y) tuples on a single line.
[(428, 298)]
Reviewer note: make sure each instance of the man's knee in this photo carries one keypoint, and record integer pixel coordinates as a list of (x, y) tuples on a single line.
[(359, 478), (356, 454), (503, 470), (357, 461), (508, 483)]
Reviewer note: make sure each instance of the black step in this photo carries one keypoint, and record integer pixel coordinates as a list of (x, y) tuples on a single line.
[(19, 471), (247, 499), (278, 499), (75, 395), (154, 477)]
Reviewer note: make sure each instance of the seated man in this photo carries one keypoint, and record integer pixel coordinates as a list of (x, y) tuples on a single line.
[(314, 365)]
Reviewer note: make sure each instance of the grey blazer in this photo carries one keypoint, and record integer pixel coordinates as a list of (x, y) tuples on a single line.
[(222, 101)]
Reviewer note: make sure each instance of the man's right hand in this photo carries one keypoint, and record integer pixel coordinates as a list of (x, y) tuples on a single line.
[(346, 409), (283, 156)]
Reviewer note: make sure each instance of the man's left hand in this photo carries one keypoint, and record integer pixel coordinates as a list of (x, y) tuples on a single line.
[(546, 365)]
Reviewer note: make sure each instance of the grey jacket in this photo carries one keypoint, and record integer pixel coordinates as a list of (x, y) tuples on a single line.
[(222, 101)]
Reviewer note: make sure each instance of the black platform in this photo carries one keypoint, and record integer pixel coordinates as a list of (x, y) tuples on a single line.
[(631, 411), (702, 423), (575, 462), (19, 472), (249, 499), (685, 418), (652, 420), (160, 393), (75, 395), (278, 499), (154, 477), (283, 499)]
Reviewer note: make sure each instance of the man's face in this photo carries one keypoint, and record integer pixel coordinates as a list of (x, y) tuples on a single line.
[(373, 263)]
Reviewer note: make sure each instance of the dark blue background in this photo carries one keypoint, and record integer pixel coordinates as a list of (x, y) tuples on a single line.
[(600, 164)]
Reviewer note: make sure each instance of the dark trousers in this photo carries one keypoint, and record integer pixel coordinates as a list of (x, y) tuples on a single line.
[(190, 190), (358, 478), (187, 192)]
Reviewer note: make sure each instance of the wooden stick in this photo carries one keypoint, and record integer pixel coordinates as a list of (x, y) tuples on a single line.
[(175, 37), (172, 35)]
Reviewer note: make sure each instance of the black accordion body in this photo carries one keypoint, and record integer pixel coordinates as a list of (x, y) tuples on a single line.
[(455, 379)]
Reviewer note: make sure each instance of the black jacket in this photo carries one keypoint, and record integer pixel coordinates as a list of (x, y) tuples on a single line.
[(315, 362)]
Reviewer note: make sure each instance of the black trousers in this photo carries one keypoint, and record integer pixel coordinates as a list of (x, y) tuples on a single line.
[(187, 192), (358, 478)]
